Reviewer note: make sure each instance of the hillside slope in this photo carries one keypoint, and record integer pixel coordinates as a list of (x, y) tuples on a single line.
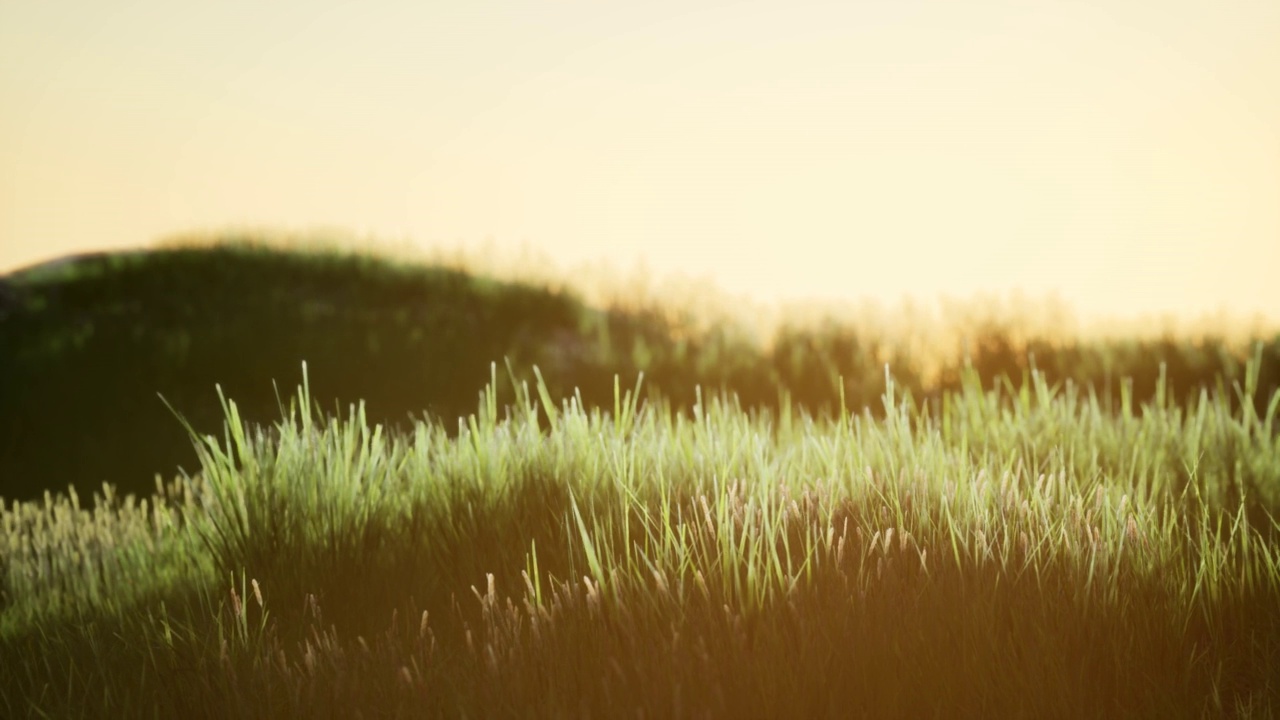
[(89, 343)]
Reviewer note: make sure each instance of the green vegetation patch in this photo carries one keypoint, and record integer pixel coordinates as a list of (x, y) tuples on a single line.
[(1017, 554), (92, 343), (87, 345)]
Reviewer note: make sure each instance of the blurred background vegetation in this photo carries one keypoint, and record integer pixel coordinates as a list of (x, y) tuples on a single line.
[(86, 346)]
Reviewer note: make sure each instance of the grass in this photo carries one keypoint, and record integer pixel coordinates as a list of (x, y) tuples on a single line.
[(88, 343), (1016, 551)]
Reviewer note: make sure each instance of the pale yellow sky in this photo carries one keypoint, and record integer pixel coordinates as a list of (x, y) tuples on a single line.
[(1123, 154)]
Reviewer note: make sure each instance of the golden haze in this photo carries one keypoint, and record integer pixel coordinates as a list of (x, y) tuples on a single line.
[(1121, 156)]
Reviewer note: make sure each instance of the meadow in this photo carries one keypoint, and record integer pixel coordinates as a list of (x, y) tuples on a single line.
[(967, 542), (86, 344)]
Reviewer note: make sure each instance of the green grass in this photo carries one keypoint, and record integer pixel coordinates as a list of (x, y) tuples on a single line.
[(87, 347), (1014, 553)]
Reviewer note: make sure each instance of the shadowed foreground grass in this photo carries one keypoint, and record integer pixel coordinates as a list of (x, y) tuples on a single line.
[(1017, 555)]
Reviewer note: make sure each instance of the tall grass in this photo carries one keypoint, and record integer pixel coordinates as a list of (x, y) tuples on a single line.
[(87, 343), (1008, 552)]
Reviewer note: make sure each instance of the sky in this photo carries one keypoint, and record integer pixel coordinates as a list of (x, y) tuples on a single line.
[(1122, 156)]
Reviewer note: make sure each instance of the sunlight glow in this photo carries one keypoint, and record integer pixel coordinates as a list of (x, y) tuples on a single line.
[(1123, 156)]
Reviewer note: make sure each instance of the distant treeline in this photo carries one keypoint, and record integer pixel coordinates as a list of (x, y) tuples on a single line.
[(86, 347)]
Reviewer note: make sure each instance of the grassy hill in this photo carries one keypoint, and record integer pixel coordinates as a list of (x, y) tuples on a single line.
[(88, 344), (807, 537), (1043, 559)]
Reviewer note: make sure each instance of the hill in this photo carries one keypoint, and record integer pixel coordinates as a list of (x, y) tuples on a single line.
[(90, 342)]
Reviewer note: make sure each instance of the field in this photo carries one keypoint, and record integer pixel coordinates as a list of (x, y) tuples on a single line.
[(1023, 544), (91, 342)]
